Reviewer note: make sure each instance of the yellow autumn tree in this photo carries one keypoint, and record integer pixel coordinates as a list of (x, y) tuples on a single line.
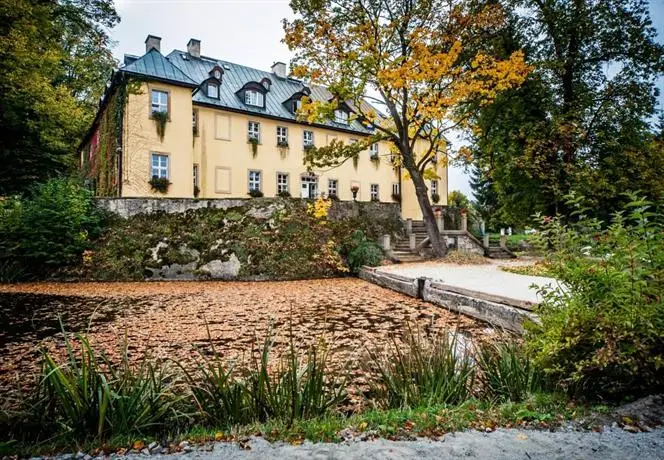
[(408, 69)]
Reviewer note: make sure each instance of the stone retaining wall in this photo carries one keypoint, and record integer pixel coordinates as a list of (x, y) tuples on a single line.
[(498, 314), (127, 207)]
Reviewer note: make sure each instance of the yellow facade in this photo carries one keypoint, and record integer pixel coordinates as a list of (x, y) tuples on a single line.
[(224, 157)]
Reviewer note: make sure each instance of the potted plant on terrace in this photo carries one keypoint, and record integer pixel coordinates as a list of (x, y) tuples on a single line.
[(354, 189)]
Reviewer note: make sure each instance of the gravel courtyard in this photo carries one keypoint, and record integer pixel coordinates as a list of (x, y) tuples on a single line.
[(168, 319)]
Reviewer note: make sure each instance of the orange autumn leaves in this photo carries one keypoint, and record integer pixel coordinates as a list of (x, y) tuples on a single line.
[(428, 70)]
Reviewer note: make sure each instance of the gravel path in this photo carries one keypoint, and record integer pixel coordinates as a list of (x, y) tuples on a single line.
[(487, 278), (613, 443)]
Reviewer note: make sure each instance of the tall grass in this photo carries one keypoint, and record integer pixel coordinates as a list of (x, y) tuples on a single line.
[(299, 386), (297, 389), (89, 396), (507, 373), (423, 372)]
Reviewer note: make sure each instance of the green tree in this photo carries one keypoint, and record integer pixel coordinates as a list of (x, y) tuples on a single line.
[(458, 200), (54, 64), (580, 122)]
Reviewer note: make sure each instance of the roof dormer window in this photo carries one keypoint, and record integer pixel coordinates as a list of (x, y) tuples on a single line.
[(213, 90), (253, 97), (341, 116)]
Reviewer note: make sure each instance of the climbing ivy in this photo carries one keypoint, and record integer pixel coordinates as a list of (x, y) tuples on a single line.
[(101, 170)]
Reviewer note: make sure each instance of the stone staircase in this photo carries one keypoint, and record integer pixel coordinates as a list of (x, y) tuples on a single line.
[(401, 249), (497, 252)]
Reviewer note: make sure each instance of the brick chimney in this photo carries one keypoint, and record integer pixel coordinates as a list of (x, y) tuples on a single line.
[(153, 42), (279, 69), (194, 47)]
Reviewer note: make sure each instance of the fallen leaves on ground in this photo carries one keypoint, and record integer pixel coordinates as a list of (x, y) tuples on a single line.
[(172, 319)]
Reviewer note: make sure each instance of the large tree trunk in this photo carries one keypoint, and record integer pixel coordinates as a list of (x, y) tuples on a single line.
[(438, 247)]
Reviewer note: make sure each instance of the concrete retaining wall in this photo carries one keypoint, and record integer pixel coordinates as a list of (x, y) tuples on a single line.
[(127, 207), (403, 284), (498, 314)]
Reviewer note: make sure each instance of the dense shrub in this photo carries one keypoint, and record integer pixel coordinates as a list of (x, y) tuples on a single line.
[(360, 251), (48, 228), (602, 329)]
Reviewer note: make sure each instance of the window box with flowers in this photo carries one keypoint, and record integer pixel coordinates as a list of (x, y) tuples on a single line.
[(159, 184), (435, 197)]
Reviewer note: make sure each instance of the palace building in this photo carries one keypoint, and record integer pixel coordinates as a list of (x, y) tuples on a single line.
[(184, 125)]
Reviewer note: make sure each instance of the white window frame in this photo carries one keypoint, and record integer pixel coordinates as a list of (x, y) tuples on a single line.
[(282, 135), (434, 187), (254, 98), (196, 174), (216, 90), (283, 182), (255, 180), (254, 130), (374, 194), (373, 150), (161, 169), (341, 116), (306, 142), (161, 104), (333, 187)]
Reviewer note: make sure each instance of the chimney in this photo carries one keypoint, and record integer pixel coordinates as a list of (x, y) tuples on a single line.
[(279, 69), (152, 42), (194, 47)]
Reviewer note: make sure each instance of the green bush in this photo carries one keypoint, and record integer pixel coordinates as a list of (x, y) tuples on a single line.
[(602, 328), (49, 228), (360, 251)]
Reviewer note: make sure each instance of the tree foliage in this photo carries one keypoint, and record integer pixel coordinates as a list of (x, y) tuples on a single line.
[(581, 120), (420, 61), (54, 64)]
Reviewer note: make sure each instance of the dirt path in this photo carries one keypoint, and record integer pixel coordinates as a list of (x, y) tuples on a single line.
[(612, 443)]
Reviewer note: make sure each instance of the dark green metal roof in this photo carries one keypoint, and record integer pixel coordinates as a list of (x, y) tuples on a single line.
[(181, 68), (155, 66)]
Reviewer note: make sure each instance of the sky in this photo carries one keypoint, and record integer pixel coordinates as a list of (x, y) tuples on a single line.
[(247, 32)]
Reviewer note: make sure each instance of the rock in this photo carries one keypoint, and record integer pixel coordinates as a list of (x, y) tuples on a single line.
[(152, 445), (155, 251), (145, 451), (265, 212), (183, 444), (193, 254), (80, 455), (216, 244), (216, 269), (631, 428), (174, 272)]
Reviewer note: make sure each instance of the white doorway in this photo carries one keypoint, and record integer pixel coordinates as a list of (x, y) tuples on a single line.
[(309, 187)]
